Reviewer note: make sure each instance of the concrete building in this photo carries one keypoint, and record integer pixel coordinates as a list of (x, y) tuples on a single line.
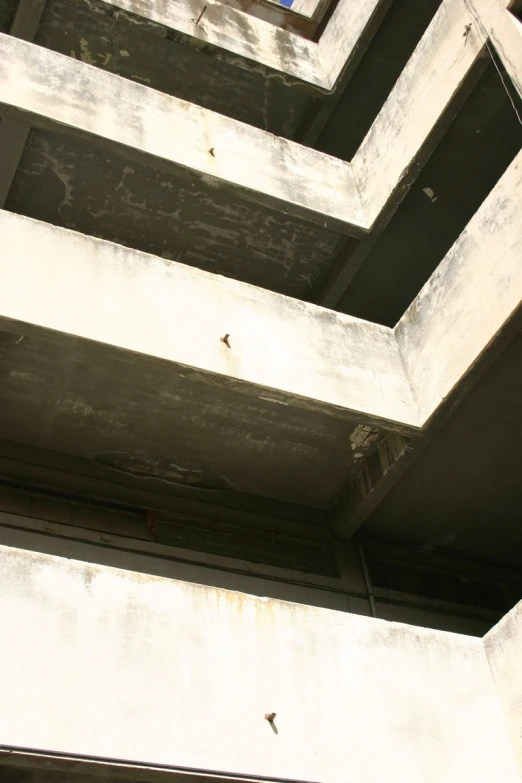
[(260, 391)]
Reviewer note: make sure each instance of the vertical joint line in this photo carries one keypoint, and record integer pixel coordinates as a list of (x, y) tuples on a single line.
[(367, 579)]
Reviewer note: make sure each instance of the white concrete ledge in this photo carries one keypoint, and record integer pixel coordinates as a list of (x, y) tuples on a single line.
[(503, 645), (282, 174), (52, 278), (342, 35), (492, 19), (161, 671), (276, 14), (317, 64), (468, 300), (60, 280), (430, 80), (236, 32), (52, 90)]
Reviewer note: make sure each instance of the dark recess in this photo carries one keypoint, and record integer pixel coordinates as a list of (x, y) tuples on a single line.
[(468, 162), (7, 14), (364, 96), (464, 491)]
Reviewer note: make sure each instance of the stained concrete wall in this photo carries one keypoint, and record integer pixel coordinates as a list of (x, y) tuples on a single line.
[(120, 540), (107, 662), (352, 364), (503, 646)]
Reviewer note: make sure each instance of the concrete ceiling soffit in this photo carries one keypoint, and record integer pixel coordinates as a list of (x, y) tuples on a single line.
[(459, 322)]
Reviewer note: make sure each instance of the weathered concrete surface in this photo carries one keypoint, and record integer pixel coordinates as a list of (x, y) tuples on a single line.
[(70, 182), (177, 403), (504, 30), (59, 280), (466, 485), (174, 133), (13, 135), (137, 416), (151, 54), (370, 484), (446, 330), (139, 667), (432, 77), (319, 65), (342, 35), (236, 32), (379, 283), (309, 8), (503, 646), (276, 14), (44, 532), (445, 333)]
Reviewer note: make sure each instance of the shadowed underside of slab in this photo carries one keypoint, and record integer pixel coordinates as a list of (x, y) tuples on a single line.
[(148, 419), (116, 355), (71, 182), (343, 380)]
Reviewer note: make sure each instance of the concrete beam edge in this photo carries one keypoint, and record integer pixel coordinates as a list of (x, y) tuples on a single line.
[(173, 132), (277, 343)]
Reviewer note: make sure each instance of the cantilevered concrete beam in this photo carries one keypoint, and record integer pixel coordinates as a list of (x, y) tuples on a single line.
[(343, 35), (491, 19), (472, 295), (310, 8), (168, 132), (13, 134), (276, 14), (461, 316), (52, 278), (424, 90), (317, 64), (238, 33), (282, 174), (425, 99)]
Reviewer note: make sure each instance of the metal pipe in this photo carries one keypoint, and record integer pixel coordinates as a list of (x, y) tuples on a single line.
[(367, 579)]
